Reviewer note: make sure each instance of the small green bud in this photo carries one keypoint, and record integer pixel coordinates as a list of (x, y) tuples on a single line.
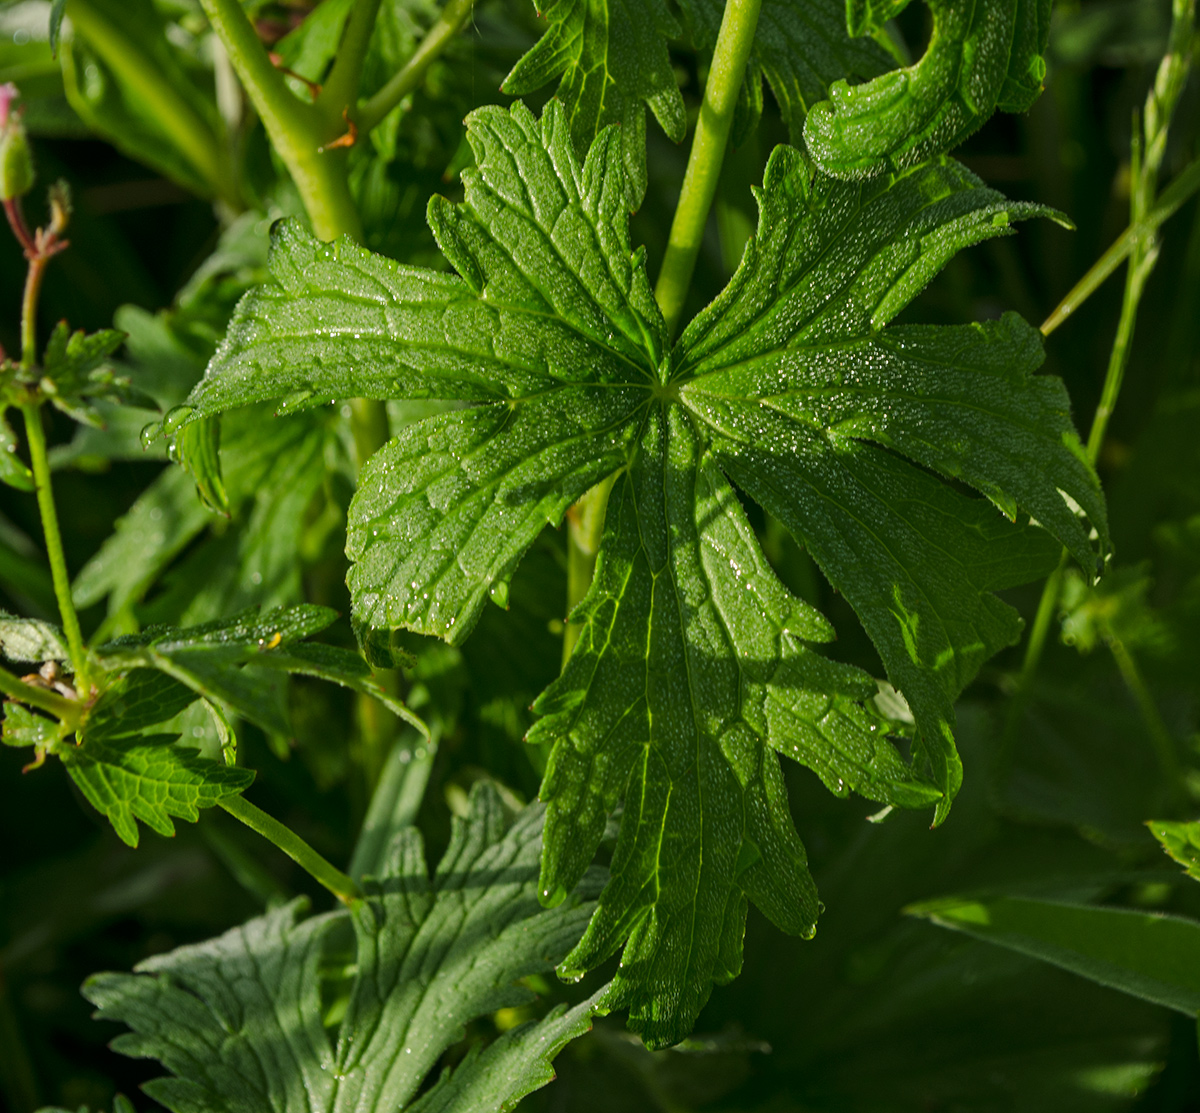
[(16, 160)]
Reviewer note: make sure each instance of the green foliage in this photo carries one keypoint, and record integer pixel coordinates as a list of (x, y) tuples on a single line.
[(983, 55), (800, 48), (612, 56), (1144, 954), (430, 957), (552, 317)]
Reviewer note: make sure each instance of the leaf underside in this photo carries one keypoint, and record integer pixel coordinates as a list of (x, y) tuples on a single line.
[(983, 55), (238, 1020), (695, 666)]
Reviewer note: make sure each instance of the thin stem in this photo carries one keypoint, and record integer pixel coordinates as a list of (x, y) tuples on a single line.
[(449, 23), (1160, 736), (1185, 183), (33, 288), (51, 702), (190, 132), (585, 525), (708, 152), (297, 130), (340, 90), (341, 886), (36, 435)]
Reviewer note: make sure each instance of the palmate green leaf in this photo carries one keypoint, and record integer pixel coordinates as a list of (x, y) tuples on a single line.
[(1145, 954), (983, 55), (612, 57), (800, 46), (432, 956), (694, 663)]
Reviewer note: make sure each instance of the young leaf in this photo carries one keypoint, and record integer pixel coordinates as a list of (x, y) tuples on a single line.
[(145, 777), (800, 46), (612, 55), (983, 55), (1181, 841), (432, 956), (694, 662), (1145, 954)]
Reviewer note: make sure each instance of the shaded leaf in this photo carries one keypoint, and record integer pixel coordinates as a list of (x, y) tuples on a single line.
[(432, 955), (1145, 954)]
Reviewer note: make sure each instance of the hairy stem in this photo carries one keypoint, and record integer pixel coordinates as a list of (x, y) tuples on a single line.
[(192, 135), (36, 435), (585, 525), (340, 90), (29, 303), (449, 23), (297, 130), (708, 152), (341, 886), (41, 698)]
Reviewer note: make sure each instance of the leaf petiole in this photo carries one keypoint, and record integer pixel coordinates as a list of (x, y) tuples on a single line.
[(734, 41), (341, 886)]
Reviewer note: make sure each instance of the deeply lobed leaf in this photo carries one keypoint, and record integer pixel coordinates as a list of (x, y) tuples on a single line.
[(238, 1020), (694, 663)]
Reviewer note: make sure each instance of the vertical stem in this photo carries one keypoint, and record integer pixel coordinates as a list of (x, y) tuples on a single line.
[(340, 90), (294, 847), (29, 303), (708, 152), (36, 435)]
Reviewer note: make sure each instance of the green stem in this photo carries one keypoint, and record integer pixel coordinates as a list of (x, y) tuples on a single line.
[(585, 525), (297, 130), (36, 435), (708, 152), (29, 302), (189, 131), (340, 90), (1185, 183), (1164, 744), (50, 702), (449, 23), (341, 886)]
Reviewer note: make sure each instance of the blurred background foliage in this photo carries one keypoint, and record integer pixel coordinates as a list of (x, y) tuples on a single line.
[(879, 1012)]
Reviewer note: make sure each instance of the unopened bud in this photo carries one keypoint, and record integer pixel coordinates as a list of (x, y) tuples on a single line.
[(16, 160)]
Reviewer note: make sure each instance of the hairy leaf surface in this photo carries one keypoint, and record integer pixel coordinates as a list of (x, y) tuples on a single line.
[(694, 663), (983, 55), (432, 955)]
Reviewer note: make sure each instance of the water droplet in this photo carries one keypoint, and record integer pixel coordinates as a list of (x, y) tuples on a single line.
[(176, 418)]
